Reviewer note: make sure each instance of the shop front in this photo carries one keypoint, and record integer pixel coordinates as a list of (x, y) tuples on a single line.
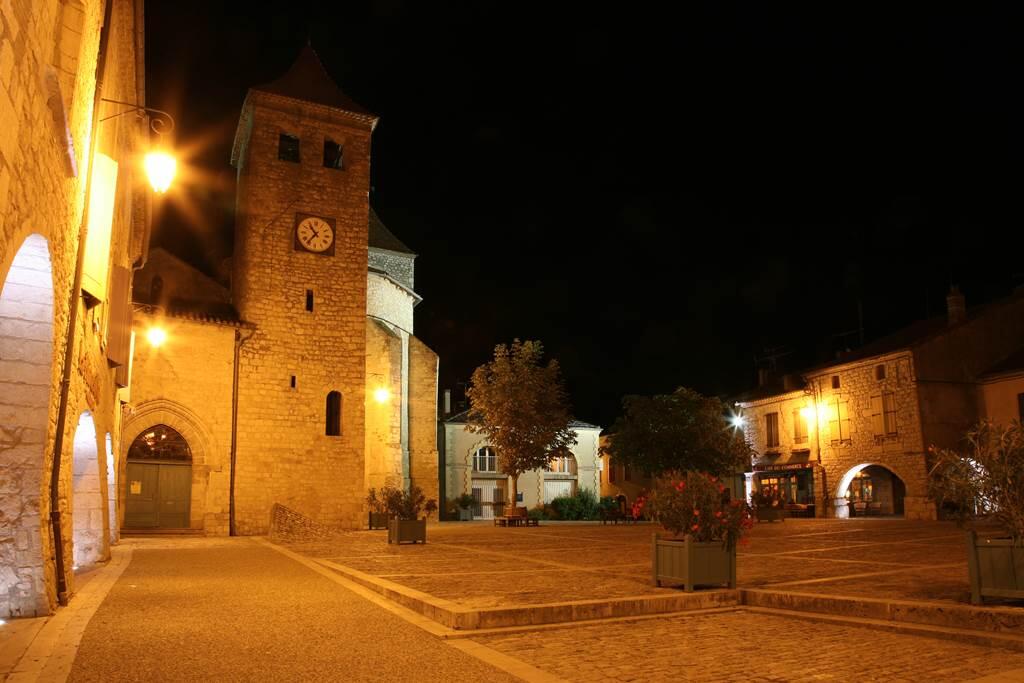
[(793, 482)]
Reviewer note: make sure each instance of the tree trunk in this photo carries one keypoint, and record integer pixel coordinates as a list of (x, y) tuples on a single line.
[(513, 491)]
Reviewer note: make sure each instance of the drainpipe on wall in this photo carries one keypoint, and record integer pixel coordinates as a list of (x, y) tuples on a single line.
[(239, 343), (69, 342)]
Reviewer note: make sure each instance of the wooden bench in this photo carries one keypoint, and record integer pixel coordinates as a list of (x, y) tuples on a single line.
[(520, 517)]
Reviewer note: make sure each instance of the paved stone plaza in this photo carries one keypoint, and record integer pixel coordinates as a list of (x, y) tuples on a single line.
[(180, 608), (478, 565)]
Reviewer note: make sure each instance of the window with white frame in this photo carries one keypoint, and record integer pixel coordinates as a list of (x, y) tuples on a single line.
[(485, 460), (564, 464)]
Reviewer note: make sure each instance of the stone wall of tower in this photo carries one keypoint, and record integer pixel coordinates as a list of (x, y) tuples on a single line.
[(423, 456), (383, 418), (284, 455)]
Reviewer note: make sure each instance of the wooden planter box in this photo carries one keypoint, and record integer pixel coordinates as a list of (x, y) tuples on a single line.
[(996, 568), (407, 530), (378, 520), (465, 514), (682, 561), (771, 514)]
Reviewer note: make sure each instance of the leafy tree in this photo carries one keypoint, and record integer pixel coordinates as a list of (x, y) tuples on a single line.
[(679, 431), (522, 407)]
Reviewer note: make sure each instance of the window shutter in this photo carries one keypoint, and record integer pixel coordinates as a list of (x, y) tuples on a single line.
[(101, 217), (119, 324), (877, 418)]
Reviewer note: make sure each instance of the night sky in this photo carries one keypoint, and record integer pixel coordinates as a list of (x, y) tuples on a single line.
[(661, 198)]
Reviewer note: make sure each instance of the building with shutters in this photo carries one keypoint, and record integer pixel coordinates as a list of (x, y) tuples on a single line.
[(851, 437), (473, 466), (300, 382), (67, 170)]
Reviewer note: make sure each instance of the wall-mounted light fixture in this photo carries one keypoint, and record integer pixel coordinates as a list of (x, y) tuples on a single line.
[(160, 164)]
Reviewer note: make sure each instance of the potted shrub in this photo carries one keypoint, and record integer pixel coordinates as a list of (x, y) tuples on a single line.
[(705, 525), (404, 509), (768, 505), (378, 510), (986, 482), (465, 503)]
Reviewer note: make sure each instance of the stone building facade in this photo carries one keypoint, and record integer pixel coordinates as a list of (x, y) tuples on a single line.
[(852, 437), (62, 170), (301, 383), (472, 466)]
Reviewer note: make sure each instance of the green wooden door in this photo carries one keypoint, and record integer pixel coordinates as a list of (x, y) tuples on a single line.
[(157, 495)]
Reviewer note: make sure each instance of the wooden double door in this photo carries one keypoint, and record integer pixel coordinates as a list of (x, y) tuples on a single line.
[(158, 495)]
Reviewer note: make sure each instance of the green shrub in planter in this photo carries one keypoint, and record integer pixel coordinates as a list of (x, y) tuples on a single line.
[(465, 503), (986, 481)]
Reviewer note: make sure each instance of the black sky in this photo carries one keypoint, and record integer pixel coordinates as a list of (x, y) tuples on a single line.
[(660, 196)]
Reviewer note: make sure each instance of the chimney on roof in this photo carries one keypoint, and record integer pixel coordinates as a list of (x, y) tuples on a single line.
[(956, 306), (791, 382), (447, 401)]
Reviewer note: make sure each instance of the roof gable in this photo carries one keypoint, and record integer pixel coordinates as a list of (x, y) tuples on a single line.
[(308, 80)]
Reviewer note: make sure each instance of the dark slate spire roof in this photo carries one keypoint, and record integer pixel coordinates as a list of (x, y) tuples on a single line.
[(308, 80), (382, 238)]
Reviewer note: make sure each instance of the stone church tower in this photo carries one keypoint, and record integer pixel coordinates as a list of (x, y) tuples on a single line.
[(302, 151), (303, 385)]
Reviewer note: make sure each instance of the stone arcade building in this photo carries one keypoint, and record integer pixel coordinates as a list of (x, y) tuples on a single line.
[(301, 384), (851, 437), (63, 168)]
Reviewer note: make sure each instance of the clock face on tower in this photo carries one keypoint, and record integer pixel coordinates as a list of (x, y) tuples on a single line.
[(314, 234)]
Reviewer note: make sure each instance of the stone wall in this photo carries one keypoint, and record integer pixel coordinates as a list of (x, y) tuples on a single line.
[(383, 418), (903, 453), (186, 385), (423, 456), (284, 453), (48, 53)]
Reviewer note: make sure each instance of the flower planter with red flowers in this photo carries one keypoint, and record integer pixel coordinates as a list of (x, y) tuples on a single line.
[(705, 524)]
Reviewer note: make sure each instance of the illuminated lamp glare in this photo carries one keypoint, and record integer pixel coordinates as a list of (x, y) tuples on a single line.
[(156, 336), (381, 395), (160, 168)]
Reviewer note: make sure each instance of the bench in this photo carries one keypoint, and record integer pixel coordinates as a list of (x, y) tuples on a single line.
[(518, 518), (615, 516)]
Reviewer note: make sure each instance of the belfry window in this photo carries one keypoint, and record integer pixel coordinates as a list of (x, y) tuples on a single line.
[(333, 155), (334, 413), (288, 148)]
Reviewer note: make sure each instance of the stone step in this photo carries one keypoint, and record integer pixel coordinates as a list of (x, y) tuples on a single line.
[(455, 616), (999, 620)]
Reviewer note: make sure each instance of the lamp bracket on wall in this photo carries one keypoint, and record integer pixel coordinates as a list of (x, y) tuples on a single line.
[(159, 121)]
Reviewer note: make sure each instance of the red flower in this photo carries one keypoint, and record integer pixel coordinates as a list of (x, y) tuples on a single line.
[(695, 527)]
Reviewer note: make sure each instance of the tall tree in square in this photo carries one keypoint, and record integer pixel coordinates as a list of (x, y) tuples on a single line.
[(679, 431), (521, 405)]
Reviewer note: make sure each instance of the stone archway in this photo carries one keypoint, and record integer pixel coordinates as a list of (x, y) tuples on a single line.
[(870, 489), (26, 376), (88, 511), (108, 445), (201, 444)]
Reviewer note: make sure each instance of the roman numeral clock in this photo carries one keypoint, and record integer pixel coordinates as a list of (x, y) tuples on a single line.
[(314, 234)]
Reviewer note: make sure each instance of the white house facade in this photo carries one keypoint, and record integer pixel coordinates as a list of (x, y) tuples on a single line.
[(473, 466)]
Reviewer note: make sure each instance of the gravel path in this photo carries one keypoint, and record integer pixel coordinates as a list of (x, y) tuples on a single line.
[(235, 610)]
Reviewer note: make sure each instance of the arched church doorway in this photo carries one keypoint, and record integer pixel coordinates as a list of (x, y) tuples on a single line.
[(158, 480), (870, 490), (87, 511), (26, 374)]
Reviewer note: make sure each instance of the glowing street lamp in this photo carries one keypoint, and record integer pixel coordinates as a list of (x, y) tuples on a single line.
[(160, 169), (381, 395), (737, 421), (156, 336)]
